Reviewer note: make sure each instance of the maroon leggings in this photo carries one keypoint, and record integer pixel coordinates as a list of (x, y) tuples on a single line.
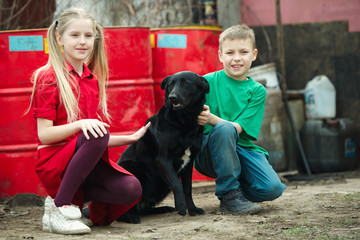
[(98, 180)]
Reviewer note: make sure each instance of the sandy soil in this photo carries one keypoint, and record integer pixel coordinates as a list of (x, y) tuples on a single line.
[(326, 207)]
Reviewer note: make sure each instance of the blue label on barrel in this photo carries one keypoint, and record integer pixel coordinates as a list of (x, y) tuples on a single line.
[(171, 41), (350, 149), (26, 43)]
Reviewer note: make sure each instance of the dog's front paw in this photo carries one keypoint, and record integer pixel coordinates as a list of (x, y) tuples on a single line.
[(196, 211), (182, 212), (129, 218), (181, 208)]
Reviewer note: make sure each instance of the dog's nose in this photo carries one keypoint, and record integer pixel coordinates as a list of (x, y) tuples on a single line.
[(172, 96)]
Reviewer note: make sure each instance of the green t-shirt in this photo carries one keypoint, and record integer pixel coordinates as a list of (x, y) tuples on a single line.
[(242, 102)]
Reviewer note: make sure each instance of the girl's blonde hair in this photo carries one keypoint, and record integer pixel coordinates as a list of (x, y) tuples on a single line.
[(96, 62), (241, 31)]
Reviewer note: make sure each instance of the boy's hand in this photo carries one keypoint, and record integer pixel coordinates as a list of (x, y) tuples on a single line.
[(204, 116)]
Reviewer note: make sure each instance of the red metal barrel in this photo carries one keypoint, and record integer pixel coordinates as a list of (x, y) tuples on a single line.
[(189, 48), (21, 52), (130, 97), (130, 89)]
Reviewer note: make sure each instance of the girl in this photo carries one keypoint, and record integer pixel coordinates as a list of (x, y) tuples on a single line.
[(69, 103)]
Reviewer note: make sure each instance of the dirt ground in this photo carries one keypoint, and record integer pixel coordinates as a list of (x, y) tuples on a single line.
[(326, 206)]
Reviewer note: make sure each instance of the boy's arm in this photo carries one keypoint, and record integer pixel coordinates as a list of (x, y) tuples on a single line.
[(207, 117), (213, 119)]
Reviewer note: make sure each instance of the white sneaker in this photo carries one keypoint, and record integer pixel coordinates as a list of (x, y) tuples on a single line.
[(45, 219), (55, 221), (86, 221), (70, 211)]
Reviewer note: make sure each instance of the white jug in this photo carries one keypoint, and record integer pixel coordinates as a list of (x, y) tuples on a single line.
[(320, 98)]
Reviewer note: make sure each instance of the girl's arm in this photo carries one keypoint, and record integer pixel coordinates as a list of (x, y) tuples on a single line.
[(205, 117), (120, 140), (49, 134)]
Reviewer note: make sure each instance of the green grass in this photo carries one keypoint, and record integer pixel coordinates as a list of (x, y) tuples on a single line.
[(295, 231)]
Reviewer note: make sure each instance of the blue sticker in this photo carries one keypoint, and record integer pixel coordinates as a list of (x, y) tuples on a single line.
[(171, 41), (26, 43)]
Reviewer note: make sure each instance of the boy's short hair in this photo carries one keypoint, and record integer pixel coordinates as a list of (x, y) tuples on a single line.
[(241, 31)]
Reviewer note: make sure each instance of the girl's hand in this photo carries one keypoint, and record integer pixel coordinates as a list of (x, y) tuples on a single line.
[(94, 126), (136, 136), (203, 117), (121, 140)]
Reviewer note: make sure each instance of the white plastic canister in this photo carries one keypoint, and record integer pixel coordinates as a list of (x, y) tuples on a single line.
[(320, 98), (267, 73)]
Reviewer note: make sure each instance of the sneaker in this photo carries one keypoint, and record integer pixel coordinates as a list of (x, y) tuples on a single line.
[(45, 219), (70, 211), (55, 221), (234, 202), (86, 221), (86, 217)]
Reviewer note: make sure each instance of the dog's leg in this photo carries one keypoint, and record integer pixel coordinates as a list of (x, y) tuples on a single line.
[(130, 216), (186, 179), (170, 177), (157, 210)]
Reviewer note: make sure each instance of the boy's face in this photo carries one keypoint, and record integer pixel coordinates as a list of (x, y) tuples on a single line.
[(237, 56)]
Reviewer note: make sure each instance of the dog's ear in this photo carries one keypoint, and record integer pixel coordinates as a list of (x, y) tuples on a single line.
[(205, 84), (164, 82)]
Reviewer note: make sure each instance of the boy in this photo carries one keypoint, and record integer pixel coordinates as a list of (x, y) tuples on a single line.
[(233, 112)]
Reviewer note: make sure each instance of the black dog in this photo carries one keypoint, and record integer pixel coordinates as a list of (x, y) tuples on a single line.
[(169, 147)]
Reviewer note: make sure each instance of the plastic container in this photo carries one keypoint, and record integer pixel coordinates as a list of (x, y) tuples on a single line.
[(320, 98), (272, 132), (330, 145), (265, 73)]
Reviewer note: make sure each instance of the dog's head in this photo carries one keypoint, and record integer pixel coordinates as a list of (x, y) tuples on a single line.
[(184, 89)]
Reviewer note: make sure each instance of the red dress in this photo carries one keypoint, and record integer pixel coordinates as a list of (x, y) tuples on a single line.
[(52, 160)]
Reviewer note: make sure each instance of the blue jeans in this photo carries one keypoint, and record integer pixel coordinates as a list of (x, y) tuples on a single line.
[(234, 167)]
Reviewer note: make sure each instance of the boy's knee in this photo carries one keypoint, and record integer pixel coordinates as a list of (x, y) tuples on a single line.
[(270, 192), (267, 192), (224, 128), (275, 191)]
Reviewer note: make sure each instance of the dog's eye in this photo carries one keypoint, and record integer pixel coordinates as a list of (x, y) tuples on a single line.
[(184, 83)]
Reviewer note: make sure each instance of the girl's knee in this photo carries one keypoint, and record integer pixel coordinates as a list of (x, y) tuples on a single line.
[(130, 191), (99, 142), (104, 140)]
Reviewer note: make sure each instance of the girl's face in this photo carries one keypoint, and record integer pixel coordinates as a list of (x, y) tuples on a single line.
[(77, 41), (237, 56)]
